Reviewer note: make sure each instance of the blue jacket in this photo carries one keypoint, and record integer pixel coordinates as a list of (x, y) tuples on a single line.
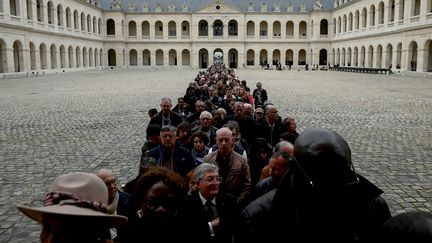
[(182, 159)]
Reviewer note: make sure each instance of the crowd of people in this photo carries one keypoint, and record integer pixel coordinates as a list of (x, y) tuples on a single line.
[(221, 165)]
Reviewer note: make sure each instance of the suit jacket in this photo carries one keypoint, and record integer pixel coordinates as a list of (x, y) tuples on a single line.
[(195, 215), (238, 182), (176, 119)]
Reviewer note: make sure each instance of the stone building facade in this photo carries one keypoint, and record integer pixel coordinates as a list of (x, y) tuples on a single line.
[(43, 36)]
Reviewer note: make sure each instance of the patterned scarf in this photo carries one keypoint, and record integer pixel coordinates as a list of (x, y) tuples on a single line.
[(59, 198)]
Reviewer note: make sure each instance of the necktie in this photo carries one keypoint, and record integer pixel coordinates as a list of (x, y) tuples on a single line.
[(209, 210)]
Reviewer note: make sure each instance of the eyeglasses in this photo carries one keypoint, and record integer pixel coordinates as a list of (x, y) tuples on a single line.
[(153, 203), (211, 179), (167, 136), (111, 182)]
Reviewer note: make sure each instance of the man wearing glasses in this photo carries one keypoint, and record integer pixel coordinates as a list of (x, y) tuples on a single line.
[(120, 203), (170, 154), (210, 213), (320, 199)]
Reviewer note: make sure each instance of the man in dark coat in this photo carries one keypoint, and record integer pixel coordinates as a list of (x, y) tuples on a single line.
[(260, 95), (320, 199), (166, 116), (170, 154), (210, 214)]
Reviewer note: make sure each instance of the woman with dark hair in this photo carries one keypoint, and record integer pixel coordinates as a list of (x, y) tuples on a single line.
[(200, 147), (160, 195)]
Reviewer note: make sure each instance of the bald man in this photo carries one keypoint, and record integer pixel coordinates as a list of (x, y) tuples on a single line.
[(233, 168)]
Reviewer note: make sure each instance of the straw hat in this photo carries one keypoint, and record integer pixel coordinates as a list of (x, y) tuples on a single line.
[(76, 195)]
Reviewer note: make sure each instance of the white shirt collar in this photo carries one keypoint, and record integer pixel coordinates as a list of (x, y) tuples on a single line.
[(203, 200)]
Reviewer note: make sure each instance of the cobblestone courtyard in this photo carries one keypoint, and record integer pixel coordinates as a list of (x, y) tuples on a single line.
[(57, 124)]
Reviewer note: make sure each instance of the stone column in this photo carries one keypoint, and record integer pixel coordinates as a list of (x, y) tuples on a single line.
[(10, 68), (178, 32), (37, 59), (26, 60), (179, 58), (407, 11), (257, 59), (282, 58), (152, 31), (270, 58), (153, 59), (45, 13), (34, 11), (270, 31), (283, 31), (368, 17), (423, 10), (386, 13), (165, 31), (225, 30), (48, 57), (66, 58), (396, 11), (6, 10), (54, 16), (421, 67), (23, 9), (295, 58), (72, 64), (58, 57), (367, 57), (404, 59), (64, 19), (394, 57)]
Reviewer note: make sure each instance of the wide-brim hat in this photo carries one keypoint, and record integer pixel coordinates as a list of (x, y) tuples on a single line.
[(83, 187)]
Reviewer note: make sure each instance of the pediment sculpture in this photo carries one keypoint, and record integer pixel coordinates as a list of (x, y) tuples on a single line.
[(251, 7), (116, 5), (263, 7), (145, 7), (276, 7), (290, 8), (131, 7)]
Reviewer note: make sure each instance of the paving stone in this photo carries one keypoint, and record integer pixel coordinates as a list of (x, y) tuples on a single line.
[(56, 124)]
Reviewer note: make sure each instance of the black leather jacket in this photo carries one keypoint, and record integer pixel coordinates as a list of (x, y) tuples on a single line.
[(354, 214)]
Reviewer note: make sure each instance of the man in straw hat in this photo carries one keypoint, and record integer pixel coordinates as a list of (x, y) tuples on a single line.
[(74, 210)]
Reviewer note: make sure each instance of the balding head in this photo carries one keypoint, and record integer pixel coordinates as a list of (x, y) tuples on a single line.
[(284, 146), (110, 181), (224, 140)]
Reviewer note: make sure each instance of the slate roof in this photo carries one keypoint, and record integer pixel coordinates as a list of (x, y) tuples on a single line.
[(241, 4)]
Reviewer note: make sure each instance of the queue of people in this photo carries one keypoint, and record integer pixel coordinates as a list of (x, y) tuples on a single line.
[(223, 166)]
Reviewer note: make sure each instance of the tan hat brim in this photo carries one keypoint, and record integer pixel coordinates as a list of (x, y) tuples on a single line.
[(41, 214)]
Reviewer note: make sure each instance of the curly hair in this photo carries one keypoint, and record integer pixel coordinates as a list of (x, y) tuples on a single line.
[(153, 175)]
